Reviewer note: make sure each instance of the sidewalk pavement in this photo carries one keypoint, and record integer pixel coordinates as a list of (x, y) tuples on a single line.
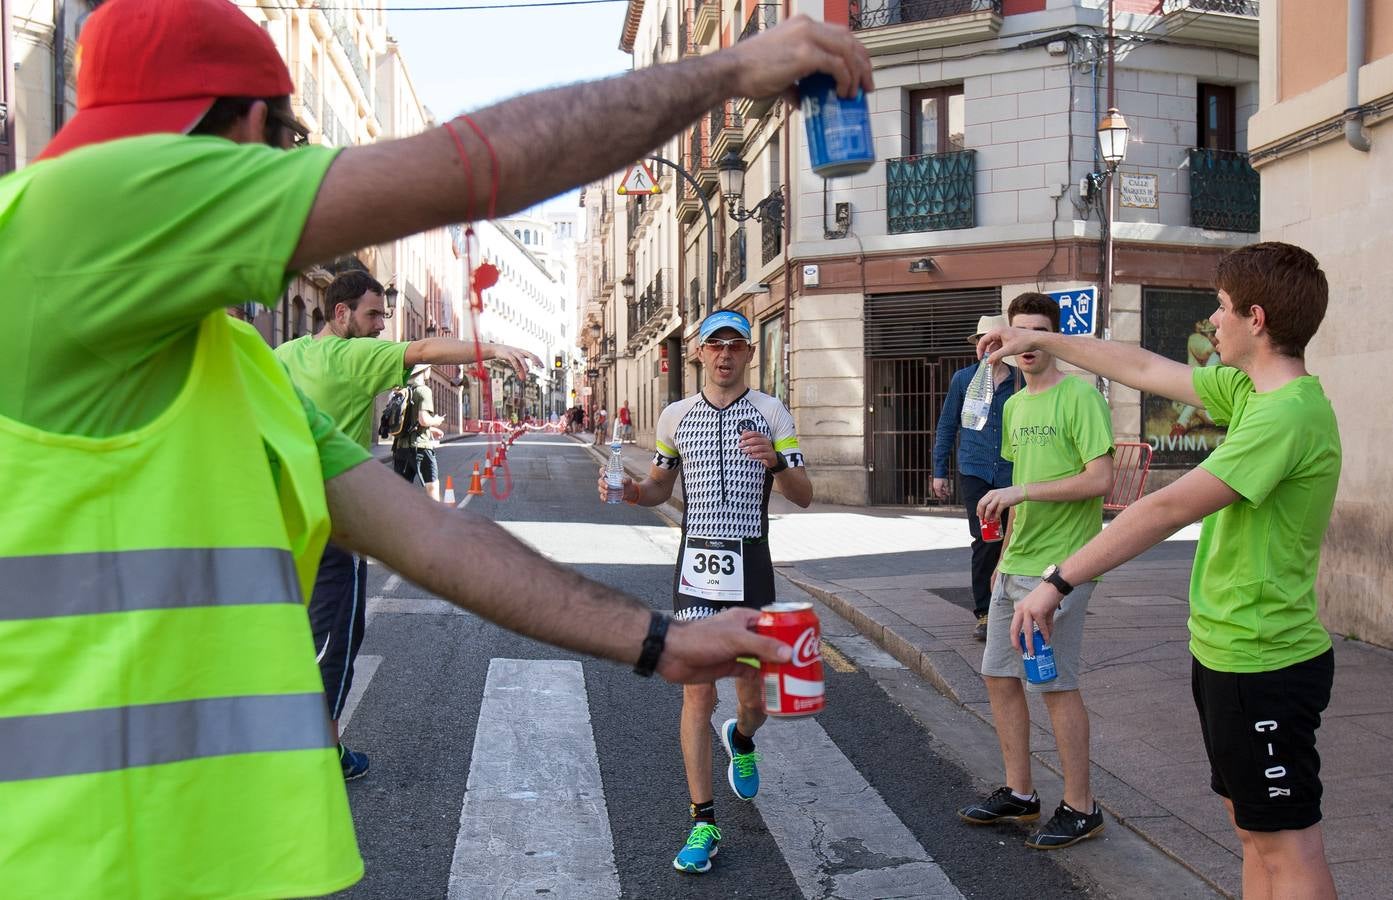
[(902, 577)]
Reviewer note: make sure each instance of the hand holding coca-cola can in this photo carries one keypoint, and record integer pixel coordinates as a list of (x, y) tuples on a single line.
[(793, 688)]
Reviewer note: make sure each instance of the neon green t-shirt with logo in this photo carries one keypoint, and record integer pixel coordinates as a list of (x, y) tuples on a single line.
[(102, 319), (1253, 588), (1049, 436), (343, 375)]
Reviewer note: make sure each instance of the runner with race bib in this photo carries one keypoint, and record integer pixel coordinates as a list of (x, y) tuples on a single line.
[(732, 444)]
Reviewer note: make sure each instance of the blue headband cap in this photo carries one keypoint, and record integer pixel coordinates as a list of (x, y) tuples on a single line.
[(725, 319)]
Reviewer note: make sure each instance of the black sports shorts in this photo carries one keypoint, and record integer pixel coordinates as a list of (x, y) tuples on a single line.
[(1259, 731), (759, 584)]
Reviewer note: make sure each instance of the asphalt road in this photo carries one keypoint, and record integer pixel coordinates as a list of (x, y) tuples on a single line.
[(880, 780)]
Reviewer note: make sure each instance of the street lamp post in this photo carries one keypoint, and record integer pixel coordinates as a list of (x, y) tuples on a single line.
[(710, 229), (1112, 147)]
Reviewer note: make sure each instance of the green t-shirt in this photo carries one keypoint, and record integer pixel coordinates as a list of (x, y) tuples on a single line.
[(1253, 587), (111, 255), (343, 375), (1049, 436)]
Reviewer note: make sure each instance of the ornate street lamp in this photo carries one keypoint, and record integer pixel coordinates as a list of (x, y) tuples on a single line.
[(1112, 138), (731, 170)]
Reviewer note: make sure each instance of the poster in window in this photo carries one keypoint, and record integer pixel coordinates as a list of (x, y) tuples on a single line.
[(771, 357), (1175, 324)]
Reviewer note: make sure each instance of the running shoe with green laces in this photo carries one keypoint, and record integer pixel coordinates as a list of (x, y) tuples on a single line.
[(742, 772), (701, 845)]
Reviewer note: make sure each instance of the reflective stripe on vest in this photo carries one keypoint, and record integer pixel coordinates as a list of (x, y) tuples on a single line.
[(77, 584), (104, 740)]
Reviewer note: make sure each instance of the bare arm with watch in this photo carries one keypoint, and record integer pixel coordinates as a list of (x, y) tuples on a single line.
[(1145, 523)]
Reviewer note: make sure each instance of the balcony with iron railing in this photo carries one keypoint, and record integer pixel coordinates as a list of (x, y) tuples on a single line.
[(339, 22), (930, 192), (706, 16), (633, 213), (308, 96), (1232, 23), (727, 129), (694, 159), (895, 26), (763, 17), (1225, 192), (771, 239), (735, 259)]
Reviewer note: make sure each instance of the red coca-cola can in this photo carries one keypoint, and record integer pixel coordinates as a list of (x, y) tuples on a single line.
[(793, 688), (991, 530)]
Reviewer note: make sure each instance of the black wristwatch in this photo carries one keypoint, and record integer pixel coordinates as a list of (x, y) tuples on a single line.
[(1054, 578), (652, 645), (780, 465)]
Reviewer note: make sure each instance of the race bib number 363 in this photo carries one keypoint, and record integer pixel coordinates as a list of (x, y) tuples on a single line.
[(712, 569)]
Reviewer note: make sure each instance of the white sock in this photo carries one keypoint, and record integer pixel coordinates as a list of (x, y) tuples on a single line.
[(1025, 797)]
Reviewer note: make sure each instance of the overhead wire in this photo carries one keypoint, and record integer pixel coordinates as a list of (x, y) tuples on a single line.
[(291, 7)]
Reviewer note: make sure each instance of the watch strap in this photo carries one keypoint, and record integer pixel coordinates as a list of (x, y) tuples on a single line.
[(652, 644), (1054, 578), (781, 465)]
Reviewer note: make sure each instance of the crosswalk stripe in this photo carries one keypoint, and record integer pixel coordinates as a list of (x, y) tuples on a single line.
[(432, 606), (534, 821), (364, 667), (825, 817)]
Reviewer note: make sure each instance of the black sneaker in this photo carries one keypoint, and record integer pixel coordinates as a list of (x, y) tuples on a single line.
[(1067, 827), (980, 632), (1001, 806)]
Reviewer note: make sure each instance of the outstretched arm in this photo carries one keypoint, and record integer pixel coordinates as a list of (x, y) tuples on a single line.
[(1142, 525), (448, 351), (551, 141), (1132, 366), (471, 562)]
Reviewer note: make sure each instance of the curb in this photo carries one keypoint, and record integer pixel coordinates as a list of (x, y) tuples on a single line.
[(954, 679)]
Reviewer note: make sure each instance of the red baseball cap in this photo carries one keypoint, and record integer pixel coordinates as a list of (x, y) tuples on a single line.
[(156, 66)]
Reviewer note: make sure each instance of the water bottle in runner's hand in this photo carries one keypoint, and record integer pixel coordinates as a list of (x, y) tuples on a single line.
[(614, 471), (977, 405)]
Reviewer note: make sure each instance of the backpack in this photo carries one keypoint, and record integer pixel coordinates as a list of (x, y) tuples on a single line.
[(400, 418)]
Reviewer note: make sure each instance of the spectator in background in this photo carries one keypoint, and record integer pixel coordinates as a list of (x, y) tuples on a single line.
[(980, 465)]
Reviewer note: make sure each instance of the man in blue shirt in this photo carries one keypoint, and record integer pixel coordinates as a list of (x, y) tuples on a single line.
[(980, 467)]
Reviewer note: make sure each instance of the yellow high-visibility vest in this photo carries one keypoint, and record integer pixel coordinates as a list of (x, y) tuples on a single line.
[(162, 722)]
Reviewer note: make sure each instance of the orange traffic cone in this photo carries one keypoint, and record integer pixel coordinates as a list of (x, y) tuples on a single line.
[(502, 452), (449, 490), (488, 467), (476, 486)]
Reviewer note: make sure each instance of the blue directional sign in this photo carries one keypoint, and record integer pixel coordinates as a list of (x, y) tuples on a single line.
[(1077, 310)]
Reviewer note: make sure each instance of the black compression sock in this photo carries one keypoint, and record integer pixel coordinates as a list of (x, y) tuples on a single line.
[(740, 743), (704, 812)]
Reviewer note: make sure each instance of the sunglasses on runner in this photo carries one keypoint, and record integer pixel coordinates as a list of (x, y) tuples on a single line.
[(735, 345)]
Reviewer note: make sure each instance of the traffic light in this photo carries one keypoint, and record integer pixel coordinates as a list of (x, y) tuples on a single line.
[(558, 362)]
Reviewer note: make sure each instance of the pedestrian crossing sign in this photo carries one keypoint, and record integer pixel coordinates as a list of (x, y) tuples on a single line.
[(1077, 310), (639, 180)]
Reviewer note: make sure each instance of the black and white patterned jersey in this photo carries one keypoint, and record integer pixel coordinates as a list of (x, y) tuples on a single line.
[(726, 492)]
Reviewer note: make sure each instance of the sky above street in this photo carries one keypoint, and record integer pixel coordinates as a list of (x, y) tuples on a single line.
[(462, 60)]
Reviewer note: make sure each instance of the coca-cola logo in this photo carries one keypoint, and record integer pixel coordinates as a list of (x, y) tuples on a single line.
[(807, 649)]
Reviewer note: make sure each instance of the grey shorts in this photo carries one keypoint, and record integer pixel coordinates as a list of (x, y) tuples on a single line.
[(1002, 660)]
